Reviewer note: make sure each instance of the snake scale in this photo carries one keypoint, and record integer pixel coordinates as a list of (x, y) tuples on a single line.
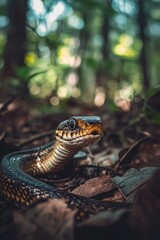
[(17, 170)]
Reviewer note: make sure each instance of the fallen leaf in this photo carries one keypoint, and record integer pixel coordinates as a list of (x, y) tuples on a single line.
[(129, 183), (95, 186)]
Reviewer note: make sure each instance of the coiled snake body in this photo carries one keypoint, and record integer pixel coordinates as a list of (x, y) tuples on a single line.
[(17, 170)]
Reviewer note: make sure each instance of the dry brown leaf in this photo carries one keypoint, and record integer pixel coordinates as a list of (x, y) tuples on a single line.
[(116, 196), (94, 186), (48, 220)]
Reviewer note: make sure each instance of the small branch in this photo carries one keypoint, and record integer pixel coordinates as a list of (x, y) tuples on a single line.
[(6, 104)]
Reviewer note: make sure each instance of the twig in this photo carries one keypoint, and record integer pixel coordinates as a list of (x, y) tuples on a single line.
[(6, 104)]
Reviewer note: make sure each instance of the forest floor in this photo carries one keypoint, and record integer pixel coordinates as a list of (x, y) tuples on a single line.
[(123, 167)]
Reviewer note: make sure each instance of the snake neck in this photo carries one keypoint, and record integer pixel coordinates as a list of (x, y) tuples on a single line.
[(48, 160)]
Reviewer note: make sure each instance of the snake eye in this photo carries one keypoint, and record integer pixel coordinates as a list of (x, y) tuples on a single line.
[(72, 123)]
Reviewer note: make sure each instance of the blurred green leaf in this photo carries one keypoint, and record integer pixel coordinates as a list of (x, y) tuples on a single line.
[(22, 72), (35, 74), (152, 115), (111, 106), (153, 90)]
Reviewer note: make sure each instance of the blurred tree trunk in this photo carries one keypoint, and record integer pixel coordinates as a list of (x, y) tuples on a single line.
[(105, 33), (142, 22), (102, 72), (16, 39), (84, 46)]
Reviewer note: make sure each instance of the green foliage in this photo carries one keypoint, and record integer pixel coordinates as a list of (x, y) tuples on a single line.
[(152, 104), (35, 74), (22, 72), (153, 90), (111, 106), (152, 115)]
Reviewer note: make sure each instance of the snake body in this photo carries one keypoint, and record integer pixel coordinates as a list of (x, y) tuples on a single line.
[(17, 170)]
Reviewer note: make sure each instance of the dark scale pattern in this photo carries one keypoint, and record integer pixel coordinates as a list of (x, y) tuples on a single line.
[(22, 190)]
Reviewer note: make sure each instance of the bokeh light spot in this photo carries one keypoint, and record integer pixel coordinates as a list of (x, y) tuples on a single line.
[(76, 92), (100, 97), (72, 79), (54, 100), (30, 58)]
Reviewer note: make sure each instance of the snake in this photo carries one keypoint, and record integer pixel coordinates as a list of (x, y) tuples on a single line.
[(19, 170)]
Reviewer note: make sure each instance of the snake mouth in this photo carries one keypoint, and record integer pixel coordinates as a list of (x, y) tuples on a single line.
[(96, 130), (94, 133)]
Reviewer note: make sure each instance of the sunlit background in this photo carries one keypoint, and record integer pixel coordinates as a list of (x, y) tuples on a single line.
[(85, 50)]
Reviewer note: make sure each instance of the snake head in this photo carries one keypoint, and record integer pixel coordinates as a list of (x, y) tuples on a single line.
[(80, 131)]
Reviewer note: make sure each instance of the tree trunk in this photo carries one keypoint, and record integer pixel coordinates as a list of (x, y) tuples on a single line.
[(16, 39), (105, 33), (143, 56), (102, 72)]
